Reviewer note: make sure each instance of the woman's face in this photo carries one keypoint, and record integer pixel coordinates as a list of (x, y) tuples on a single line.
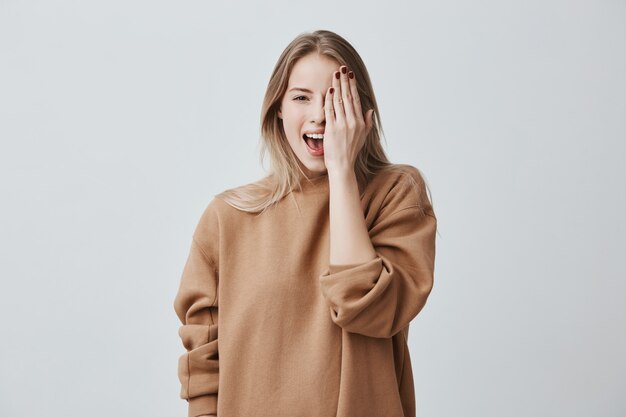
[(302, 108)]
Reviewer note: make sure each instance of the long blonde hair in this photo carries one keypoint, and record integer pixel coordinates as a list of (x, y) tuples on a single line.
[(285, 172)]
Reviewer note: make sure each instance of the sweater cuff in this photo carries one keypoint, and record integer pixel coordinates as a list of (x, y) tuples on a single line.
[(203, 405), (335, 269)]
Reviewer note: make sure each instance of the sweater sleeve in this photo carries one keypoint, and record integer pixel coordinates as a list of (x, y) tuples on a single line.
[(380, 297), (196, 306)]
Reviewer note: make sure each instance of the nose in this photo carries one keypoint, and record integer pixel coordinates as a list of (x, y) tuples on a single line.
[(318, 115)]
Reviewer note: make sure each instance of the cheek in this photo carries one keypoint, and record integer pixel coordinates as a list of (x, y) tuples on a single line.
[(290, 124), (292, 117)]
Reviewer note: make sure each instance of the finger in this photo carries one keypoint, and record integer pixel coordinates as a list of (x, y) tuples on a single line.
[(346, 95), (328, 107), (356, 100), (338, 105)]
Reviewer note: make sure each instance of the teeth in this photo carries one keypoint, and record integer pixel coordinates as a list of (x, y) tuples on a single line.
[(314, 136)]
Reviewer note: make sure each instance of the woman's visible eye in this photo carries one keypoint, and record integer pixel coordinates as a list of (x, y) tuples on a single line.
[(296, 98)]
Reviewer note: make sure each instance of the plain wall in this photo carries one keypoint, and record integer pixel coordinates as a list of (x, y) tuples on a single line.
[(120, 120)]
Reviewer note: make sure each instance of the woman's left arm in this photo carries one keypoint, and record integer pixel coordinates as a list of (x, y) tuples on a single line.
[(378, 280), (380, 294), (350, 242)]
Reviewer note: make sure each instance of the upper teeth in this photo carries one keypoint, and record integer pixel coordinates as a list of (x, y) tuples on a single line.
[(315, 135)]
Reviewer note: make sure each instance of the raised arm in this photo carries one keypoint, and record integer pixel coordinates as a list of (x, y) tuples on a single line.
[(380, 296)]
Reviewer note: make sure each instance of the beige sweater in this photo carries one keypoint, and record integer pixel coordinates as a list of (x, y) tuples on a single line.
[(272, 330)]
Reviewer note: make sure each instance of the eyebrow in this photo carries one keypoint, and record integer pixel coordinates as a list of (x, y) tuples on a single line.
[(305, 90)]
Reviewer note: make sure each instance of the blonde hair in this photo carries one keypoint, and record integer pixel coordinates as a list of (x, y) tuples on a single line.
[(285, 171)]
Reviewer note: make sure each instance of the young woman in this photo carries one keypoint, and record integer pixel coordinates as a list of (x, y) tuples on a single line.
[(313, 273)]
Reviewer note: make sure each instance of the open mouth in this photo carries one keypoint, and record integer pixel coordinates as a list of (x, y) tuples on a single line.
[(313, 143)]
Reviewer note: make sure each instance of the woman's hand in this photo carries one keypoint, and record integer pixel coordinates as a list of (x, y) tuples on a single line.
[(346, 128)]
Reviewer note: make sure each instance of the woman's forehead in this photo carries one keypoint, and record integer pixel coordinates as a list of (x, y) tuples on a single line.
[(311, 71)]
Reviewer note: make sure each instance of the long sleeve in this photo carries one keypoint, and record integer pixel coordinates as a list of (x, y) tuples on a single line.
[(380, 297), (196, 305)]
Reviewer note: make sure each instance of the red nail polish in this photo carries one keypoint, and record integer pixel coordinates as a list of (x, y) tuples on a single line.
[(351, 74), (332, 90), (343, 70), (337, 75)]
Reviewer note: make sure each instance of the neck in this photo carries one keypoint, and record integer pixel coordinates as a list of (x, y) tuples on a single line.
[(311, 175)]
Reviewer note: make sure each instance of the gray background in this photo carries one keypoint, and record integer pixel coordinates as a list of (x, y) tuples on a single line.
[(119, 120)]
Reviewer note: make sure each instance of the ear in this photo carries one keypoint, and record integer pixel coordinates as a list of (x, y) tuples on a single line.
[(280, 114)]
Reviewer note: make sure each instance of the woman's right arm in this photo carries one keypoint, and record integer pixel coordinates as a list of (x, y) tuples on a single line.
[(196, 306)]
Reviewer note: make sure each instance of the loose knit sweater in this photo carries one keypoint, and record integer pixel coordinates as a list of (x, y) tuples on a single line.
[(271, 329)]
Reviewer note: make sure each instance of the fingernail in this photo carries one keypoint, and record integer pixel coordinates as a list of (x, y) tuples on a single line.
[(351, 74), (343, 70), (337, 75), (332, 90)]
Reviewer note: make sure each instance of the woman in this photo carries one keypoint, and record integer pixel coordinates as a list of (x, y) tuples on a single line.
[(316, 270)]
